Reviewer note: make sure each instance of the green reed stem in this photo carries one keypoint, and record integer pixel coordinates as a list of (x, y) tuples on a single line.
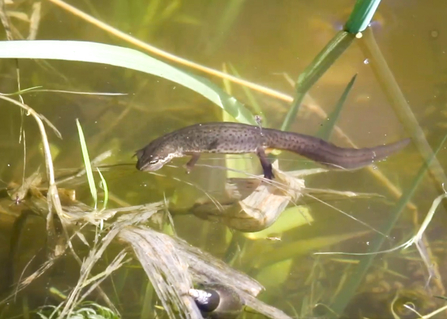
[(361, 15), (315, 70), (327, 128)]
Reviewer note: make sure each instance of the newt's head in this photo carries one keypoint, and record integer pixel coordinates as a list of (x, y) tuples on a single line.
[(154, 156)]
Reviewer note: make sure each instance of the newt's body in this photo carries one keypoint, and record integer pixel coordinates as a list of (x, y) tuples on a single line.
[(235, 138)]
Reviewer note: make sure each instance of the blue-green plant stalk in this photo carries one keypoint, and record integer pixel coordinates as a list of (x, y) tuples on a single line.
[(361, 15), (315, 70), (328, 127)]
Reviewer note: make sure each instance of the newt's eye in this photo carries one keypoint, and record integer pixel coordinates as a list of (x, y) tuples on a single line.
[(154, 161)]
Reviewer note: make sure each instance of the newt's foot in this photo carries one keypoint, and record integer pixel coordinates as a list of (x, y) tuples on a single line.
[(188, 168), (268, 172), (190, 165)]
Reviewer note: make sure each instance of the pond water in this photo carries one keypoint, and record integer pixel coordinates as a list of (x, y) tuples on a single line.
[(265, 43)]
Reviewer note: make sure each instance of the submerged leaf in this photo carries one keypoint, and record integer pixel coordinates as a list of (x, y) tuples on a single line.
[(253, 205)]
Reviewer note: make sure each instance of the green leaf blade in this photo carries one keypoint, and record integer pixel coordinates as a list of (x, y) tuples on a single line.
[(88, 166), (127, 58), (328, 127)]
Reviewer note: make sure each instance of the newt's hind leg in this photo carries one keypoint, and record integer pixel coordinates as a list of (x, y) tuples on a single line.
[(266, 165), (190, 165)]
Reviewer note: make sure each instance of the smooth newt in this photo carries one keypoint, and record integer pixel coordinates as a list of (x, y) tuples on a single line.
[(235, 138)]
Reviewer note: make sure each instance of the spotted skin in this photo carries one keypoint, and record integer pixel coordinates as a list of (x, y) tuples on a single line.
[(235, 138)]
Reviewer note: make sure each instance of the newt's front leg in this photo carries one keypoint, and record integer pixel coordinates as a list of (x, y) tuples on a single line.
[(266, 165), (190, 165)]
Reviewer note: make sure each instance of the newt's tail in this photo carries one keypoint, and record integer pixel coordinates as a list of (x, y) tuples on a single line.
[(328, 154)]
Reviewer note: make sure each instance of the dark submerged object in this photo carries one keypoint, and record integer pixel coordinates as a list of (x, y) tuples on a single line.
[(236, 138), (217, 301)]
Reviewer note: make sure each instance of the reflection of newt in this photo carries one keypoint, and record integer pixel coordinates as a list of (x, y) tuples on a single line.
[(235, 138)]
